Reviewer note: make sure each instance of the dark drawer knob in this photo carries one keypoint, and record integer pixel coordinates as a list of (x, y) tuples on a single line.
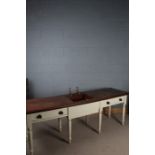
[(60, 112), (39, 116), (108, 102), (120, 99)]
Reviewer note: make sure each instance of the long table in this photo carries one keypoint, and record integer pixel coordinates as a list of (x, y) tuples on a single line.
[(43, 109)]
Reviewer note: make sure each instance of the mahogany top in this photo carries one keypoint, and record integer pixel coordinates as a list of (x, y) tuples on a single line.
[(51, 103)]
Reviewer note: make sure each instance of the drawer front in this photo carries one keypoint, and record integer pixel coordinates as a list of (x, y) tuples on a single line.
[(113, 101), (52, 114), (83, 110)]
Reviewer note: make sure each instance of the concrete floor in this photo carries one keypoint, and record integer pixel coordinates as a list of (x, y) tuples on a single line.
[(114, 139)]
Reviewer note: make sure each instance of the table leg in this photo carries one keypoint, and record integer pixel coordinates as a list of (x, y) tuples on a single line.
[(30, 136), (70, 130), (27, 134), (100, 121), (60, 124), (109, 112), (123, 113), (87, 119)]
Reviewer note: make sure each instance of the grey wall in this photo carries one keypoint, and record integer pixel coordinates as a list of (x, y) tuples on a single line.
[(76, 43)]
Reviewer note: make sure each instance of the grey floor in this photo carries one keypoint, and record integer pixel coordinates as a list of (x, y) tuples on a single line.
[(114, 139)]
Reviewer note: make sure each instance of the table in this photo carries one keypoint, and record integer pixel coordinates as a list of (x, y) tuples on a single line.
[(43, 109)]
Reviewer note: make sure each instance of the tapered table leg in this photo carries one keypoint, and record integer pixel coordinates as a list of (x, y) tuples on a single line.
[(100, 120), (30, 135), (87, 119), (60, 124), (123, 113), (70, 131), (109, 112), (27, 134)]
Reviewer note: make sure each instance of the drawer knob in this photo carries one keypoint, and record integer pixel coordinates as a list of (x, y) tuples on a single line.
[(120, 99), (39, 116), (60, 112), (108, 102)]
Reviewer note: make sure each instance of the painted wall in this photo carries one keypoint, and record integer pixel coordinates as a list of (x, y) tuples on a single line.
[(77, 43)]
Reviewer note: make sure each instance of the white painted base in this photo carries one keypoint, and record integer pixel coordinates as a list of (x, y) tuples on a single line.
[(74, 112)]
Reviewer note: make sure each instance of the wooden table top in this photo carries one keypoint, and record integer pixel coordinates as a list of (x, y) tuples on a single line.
[(56, 102)]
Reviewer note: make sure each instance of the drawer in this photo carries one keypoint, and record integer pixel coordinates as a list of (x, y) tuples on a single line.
[(43, 116), (113, 101), (83, 110)]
